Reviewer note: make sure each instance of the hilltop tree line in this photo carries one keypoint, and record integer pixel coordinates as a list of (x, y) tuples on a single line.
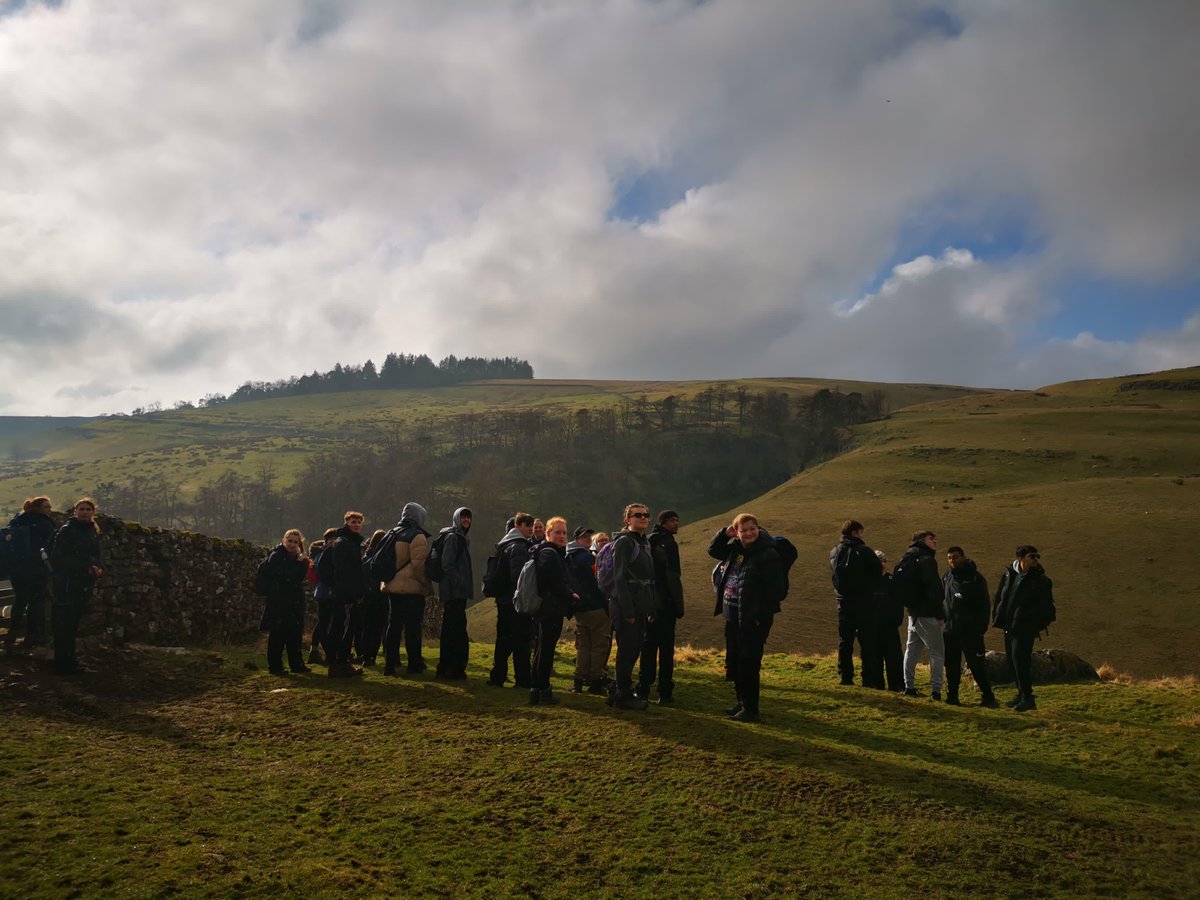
[(701, 454), (399, 370)]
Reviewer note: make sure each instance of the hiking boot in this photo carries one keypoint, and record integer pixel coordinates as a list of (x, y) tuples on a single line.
[(989, 702), (745, 715), (935, 696), (1025, 705), (1014, 702), (630, 702), (577, 688), (734, 710), (535, 696), (598, 687), (548, 698), (642, 692), (666, 701), (847, 681), (912, 692), (282, 672), (492, 682), (952, 698)]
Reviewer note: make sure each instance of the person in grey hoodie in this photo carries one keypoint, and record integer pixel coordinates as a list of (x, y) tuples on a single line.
[(456, 589), (514, 631)]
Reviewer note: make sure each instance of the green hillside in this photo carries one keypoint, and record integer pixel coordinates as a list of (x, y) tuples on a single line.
[(190, 775), (1102, 476)]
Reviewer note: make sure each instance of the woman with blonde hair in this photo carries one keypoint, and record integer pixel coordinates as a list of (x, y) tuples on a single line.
[(76, 562), (283, 618), (557, 590)]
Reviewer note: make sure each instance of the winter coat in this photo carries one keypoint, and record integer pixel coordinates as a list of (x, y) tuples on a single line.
[(412, 549), (1024, 604), (512, 552), (633, 575), (762, 578), (582, 563), (41, 536), (857, 587), (889, 609), (555, 585), (965, 593), (76, 550), (349, 582), (668, 580), (285, 601), (458, 579), (922, 594)]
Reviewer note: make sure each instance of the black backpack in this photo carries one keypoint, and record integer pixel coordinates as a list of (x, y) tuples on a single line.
[(380, 566), (496, 576), (906, 582), (327, 563), (16, 548), (433, 565), (263, 580), (853, 573)]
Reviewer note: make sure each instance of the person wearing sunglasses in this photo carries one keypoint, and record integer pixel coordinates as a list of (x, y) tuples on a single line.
[(633, 581), (1024, 608)]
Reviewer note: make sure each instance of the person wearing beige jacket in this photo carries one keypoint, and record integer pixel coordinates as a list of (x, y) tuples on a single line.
[(406, 592)]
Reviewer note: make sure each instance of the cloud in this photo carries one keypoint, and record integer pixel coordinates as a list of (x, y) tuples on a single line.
[(620, 189)]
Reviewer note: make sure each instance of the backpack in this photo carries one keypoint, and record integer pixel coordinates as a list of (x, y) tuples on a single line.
[(496, 575), (16, 548), (605, 577), (851, 571), (263, 580), (380, 566), (526, 599), (433, 564), (788, 554), (906, 583), (327, 563)]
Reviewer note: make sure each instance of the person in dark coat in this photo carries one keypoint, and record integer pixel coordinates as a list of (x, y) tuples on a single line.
[(557, 591), (750, 582), (1024, 607), (456, 590), (77, 563), (593, 627), (856, 571), (283, 617), (968, 608), (633, 601), (30, 577), (513, 629), (369, 637), (889, 616), (348, 585), (323, 594), (916, 578), (658, 650)]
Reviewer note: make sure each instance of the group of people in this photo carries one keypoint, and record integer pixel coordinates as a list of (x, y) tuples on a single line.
[(51, 565), (948, 616), (626, 587)]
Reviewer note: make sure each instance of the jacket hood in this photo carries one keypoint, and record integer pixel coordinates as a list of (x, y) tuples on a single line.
[(345, 532), (413, 514), (458, 514), (572, 546), (921, 548), (513, 535), (967, 571)]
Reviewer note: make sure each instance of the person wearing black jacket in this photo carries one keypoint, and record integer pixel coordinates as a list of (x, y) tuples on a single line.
[(30, 578), (558, 594), (348, 585), (632, 601), (77, 562), (283, 617), (1024, 607), (593, 628), (455, 590), (967, 613), (856, 571), (750, 582), (513, 629), (917, 579), (658, 649), (889, 616)]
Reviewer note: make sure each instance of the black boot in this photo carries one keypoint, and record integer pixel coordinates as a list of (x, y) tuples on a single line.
[(578, 688), (952, 698), (548, 698), (535, 696), (598, 687)]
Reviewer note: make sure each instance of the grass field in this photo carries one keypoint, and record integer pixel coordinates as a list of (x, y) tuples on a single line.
[(191, 775), (1105, 482)]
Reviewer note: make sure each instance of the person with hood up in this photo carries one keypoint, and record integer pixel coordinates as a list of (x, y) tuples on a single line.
[(406, 592), (559, 597), (456, 589), (1024, 608), (348, 585), (593, 627), (967, 613), (77, 562), (513, 630), (30, 577), (658, 649), (283, 617)]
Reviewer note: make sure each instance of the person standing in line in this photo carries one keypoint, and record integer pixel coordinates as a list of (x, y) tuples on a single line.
[(916, 576), (348, 586), (374, 610), (558, 594), (658, 650), (323, 594), (284, 614), (1024, 609), (856, 571), (456, 590), (513, 629), (889, 616), (633, 601), (599, 539), (539, 531), (593, 627), (32, 530), (77, 563), (968, 609), (406, 592)]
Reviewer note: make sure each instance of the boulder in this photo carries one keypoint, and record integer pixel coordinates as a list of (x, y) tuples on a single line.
[(1051, 665)]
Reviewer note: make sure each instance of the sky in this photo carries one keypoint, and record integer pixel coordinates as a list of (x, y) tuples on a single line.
[(192, 196)]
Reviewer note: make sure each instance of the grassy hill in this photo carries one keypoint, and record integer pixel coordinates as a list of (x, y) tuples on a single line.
[(1102, 476), (189, 774)]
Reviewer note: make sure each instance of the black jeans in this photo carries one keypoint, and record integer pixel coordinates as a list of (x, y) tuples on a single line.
[(29, 604), (658, 657), (856, 620), (339, 633), (71, 597), (1019, 648), (324, 614), (455, 645), (405, 614), (285, 636), (752, 639), (514, 637), (549, 628), (731, 650), (374, 622), (629, 647), (891, 654), (971, 646)]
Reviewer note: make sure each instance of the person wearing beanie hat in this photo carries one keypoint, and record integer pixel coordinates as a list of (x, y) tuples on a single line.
[(667, 515)]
